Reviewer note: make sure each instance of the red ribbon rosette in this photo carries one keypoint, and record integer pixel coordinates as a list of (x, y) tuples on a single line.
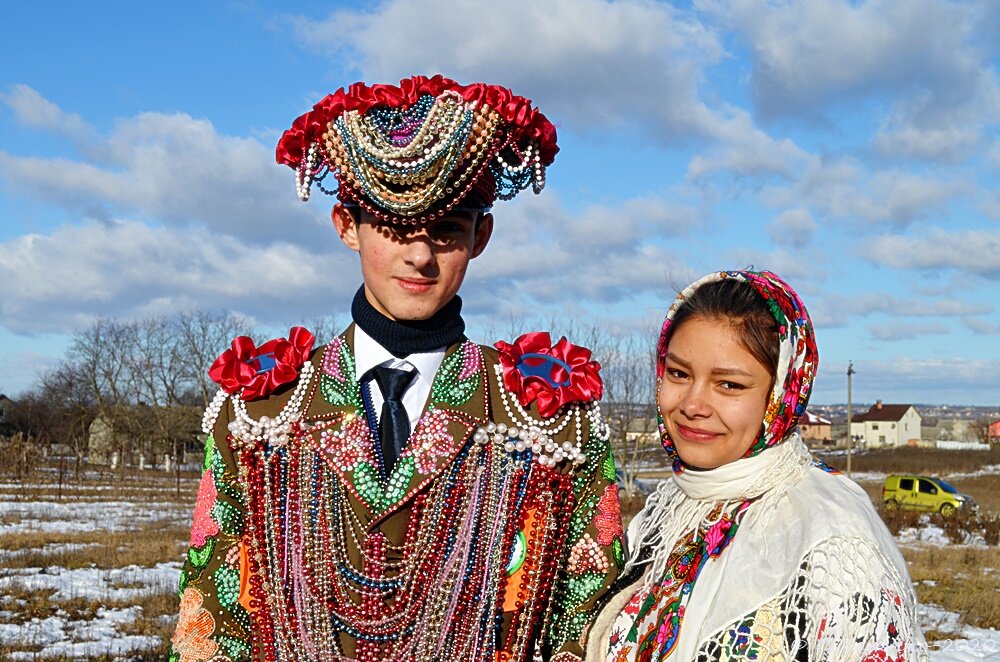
[(256, 372), (549, 375), (518, 112)]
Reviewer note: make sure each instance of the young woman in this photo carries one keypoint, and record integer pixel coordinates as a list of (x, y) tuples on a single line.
[(752, 550)]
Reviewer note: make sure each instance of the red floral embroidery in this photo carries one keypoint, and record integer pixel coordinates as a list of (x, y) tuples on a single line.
[(204, 526), (609, 516), (195, 626), (351, 447), (430, 441), (549, 375), (259, 371)]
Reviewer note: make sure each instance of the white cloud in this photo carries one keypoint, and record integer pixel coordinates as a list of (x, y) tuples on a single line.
[(831, 310), (588, 63), (982, 327), (845, 189), (540, 253), (64, 280), (744, 150), (973, 251), (540, 257), (908, 331), (811, 56), (32, 109), (934, 143), (177, 170), (994, 153), (792, 228)]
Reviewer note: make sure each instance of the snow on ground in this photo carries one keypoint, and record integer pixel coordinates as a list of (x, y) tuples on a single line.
[(116, 584), (65, 630), (56, 635), (76, 516), (928, 533), (47, 550), (103, 635), (967, 642)]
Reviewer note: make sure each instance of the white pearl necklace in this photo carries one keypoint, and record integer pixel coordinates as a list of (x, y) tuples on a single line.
[(529, 433), (275, 431)]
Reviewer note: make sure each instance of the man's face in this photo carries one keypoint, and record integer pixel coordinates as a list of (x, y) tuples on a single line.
[(411, 273)]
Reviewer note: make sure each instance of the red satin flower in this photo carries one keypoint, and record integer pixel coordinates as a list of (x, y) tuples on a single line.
[(259, 371), (549, 375)]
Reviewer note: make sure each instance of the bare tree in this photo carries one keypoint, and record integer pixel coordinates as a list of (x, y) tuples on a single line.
[(629, 381), (99, 356), (202, 336)]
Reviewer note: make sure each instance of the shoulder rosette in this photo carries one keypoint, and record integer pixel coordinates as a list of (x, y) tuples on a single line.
[(246, 372), (546, 402)]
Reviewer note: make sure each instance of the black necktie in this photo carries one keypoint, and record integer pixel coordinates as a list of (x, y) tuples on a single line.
[(394, 422)]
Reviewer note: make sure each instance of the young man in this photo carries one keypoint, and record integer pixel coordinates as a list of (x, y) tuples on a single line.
[(403, 493)]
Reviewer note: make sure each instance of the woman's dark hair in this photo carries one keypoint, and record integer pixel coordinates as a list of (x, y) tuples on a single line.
[(738, 303)]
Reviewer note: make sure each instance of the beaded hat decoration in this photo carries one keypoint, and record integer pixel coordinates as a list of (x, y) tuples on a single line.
[(412, 153), (798, 357)]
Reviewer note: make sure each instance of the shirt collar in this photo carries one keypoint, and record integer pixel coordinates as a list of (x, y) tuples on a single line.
[(368, 354)]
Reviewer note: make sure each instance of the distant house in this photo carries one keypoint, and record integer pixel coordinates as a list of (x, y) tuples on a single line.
[(887, 426), (816, 430), (134, 432)]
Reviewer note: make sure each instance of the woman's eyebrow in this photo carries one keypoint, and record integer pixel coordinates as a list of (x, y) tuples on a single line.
[(715, 371)]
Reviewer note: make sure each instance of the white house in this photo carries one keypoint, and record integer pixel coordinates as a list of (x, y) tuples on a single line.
[(887, 426)]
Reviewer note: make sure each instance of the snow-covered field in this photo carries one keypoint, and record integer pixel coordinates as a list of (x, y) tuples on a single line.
[(109, 630)]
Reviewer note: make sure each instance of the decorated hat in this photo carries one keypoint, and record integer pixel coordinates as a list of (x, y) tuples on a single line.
[(414, 152)]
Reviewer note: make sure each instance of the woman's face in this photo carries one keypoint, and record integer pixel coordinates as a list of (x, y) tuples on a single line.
[(713, 394)]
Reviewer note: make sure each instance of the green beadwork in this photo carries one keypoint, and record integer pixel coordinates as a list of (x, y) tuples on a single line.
[(342, 393), (608, 469), (448, 388), (583, 515), (235, 649), (229, 517), (618, 551), (378, 495), (570, 621), (227, 586), (210, 452), (182, 583), (200, 556)]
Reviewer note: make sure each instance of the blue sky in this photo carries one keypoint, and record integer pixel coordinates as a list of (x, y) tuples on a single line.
[(851, 147)]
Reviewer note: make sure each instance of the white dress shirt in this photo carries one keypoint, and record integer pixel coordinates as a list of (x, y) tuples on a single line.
[(369, 354)]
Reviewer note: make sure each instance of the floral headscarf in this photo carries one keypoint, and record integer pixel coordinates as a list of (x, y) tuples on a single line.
[(797, 358)]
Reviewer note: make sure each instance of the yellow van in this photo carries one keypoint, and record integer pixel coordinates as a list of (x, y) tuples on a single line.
[(923, 493)]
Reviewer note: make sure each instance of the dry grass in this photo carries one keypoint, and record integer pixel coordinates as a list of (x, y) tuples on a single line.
[(144, 547), (928, 461), (147, 546), (965, 580)]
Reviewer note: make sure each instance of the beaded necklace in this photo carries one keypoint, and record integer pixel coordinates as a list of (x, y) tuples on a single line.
[(327, 577)]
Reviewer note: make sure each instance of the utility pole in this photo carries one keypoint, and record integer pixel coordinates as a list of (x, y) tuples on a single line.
[(850, 372)]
